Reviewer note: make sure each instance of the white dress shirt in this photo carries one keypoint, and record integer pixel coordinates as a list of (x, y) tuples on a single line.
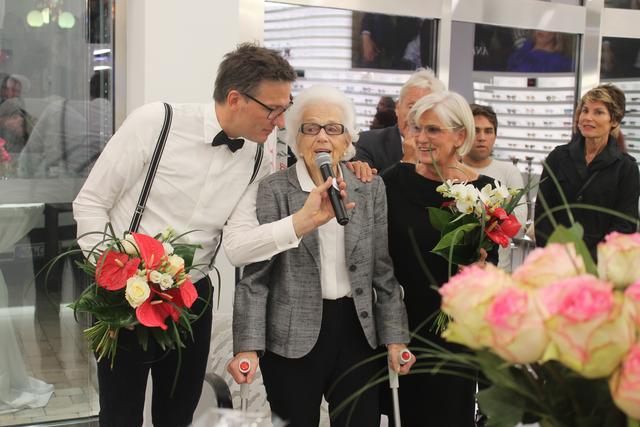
[(246, 241), (196, 186), (334, 277)]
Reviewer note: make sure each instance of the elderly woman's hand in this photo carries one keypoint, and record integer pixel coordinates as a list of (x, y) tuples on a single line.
[(393, 357), (317, 210)]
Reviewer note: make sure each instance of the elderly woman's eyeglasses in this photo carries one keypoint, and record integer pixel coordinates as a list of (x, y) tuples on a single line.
[(329, 128), (274, 113), (431, 130)]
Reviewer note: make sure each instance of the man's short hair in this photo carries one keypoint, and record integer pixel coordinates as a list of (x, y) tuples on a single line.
[(246, 67), (485, 111), (423, 78)]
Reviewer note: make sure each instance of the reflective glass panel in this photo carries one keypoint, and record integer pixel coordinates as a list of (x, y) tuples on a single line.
[(620, 65), (366, 55), (55, 117)]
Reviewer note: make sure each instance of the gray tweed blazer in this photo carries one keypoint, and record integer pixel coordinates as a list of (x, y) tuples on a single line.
[(278, 303)]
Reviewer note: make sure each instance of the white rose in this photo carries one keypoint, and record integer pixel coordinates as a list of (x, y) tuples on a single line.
[(166, 282), (175, 264), (167, 234), (137, 291), (155, 276), (129, 245), (168, 249)]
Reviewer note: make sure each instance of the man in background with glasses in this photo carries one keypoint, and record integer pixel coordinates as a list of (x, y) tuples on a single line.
[(383, 148), (212, 155)]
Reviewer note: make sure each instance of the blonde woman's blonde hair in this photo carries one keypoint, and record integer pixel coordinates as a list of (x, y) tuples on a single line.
[(452, 110)]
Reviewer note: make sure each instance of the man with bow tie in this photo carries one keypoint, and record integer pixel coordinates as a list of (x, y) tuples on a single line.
[(212, 154)]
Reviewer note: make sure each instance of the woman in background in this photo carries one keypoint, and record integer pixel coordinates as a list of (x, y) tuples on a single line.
[(591, 169), (444, 130)]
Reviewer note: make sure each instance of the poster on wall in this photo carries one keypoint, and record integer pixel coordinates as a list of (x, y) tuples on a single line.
[(521, 50), (392, 42), (620, 58)]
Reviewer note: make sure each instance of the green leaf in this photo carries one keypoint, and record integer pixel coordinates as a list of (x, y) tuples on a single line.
[(502, 407), (455, 236), (574, 235), (464, 254), (439, 218), (143, 337)]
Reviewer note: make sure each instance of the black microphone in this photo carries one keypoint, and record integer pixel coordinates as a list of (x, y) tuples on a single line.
[(323, 160)]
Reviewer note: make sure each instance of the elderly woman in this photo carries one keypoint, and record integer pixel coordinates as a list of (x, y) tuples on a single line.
[(444, 131), (592, 169), (316, 311)]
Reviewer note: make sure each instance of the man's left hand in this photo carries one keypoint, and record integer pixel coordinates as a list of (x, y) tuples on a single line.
[(363, 171)]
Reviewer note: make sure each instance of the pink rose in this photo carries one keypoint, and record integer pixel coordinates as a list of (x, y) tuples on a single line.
[(632, 297), (619, 258), (466, 298), (550, 264), (625, 384), (518, 332), (589, 329)]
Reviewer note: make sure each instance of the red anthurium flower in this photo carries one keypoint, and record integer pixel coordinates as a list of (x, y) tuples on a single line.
[(154, 313), (448, 203), (498, 213), (500, 232), (510, 225), (151, 250), (496, 234), (114, 268), (185, 295)]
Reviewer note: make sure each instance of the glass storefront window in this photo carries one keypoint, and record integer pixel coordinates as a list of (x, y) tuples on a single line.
[(368, 56), (620, 65), (528, 77), (56, 108), (622, 4)]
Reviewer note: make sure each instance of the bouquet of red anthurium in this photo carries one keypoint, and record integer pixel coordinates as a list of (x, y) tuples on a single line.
[(474, 219), (141, 283)]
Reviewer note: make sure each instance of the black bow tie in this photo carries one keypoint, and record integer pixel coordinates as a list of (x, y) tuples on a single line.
[(222, 139)]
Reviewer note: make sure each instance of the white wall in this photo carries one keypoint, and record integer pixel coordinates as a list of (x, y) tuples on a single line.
[(174, 48)]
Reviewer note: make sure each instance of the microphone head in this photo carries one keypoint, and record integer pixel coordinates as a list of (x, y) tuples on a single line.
[(323, 159)]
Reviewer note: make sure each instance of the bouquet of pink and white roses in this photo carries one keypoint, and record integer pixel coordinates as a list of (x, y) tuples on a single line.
[(558, 341), (142, 282), (474, 219)]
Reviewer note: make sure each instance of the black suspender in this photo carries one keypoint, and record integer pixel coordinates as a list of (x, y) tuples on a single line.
[(257, 163), (153, 168)]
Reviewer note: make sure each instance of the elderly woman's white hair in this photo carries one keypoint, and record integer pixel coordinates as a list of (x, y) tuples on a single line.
[(452, 110), (325, 95)]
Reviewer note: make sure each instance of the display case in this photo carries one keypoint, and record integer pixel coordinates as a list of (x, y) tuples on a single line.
[(630, 126), (535, 115)]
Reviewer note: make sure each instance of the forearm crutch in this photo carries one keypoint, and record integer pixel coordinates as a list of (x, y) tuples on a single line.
[(244, 366), (394, 384)]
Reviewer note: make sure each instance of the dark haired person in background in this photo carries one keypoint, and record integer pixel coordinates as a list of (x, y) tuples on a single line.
[(479, 158), (591, 170)]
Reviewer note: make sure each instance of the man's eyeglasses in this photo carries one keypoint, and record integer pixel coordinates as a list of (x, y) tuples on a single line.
[(274, 113), (431, 130), (329, 128)]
